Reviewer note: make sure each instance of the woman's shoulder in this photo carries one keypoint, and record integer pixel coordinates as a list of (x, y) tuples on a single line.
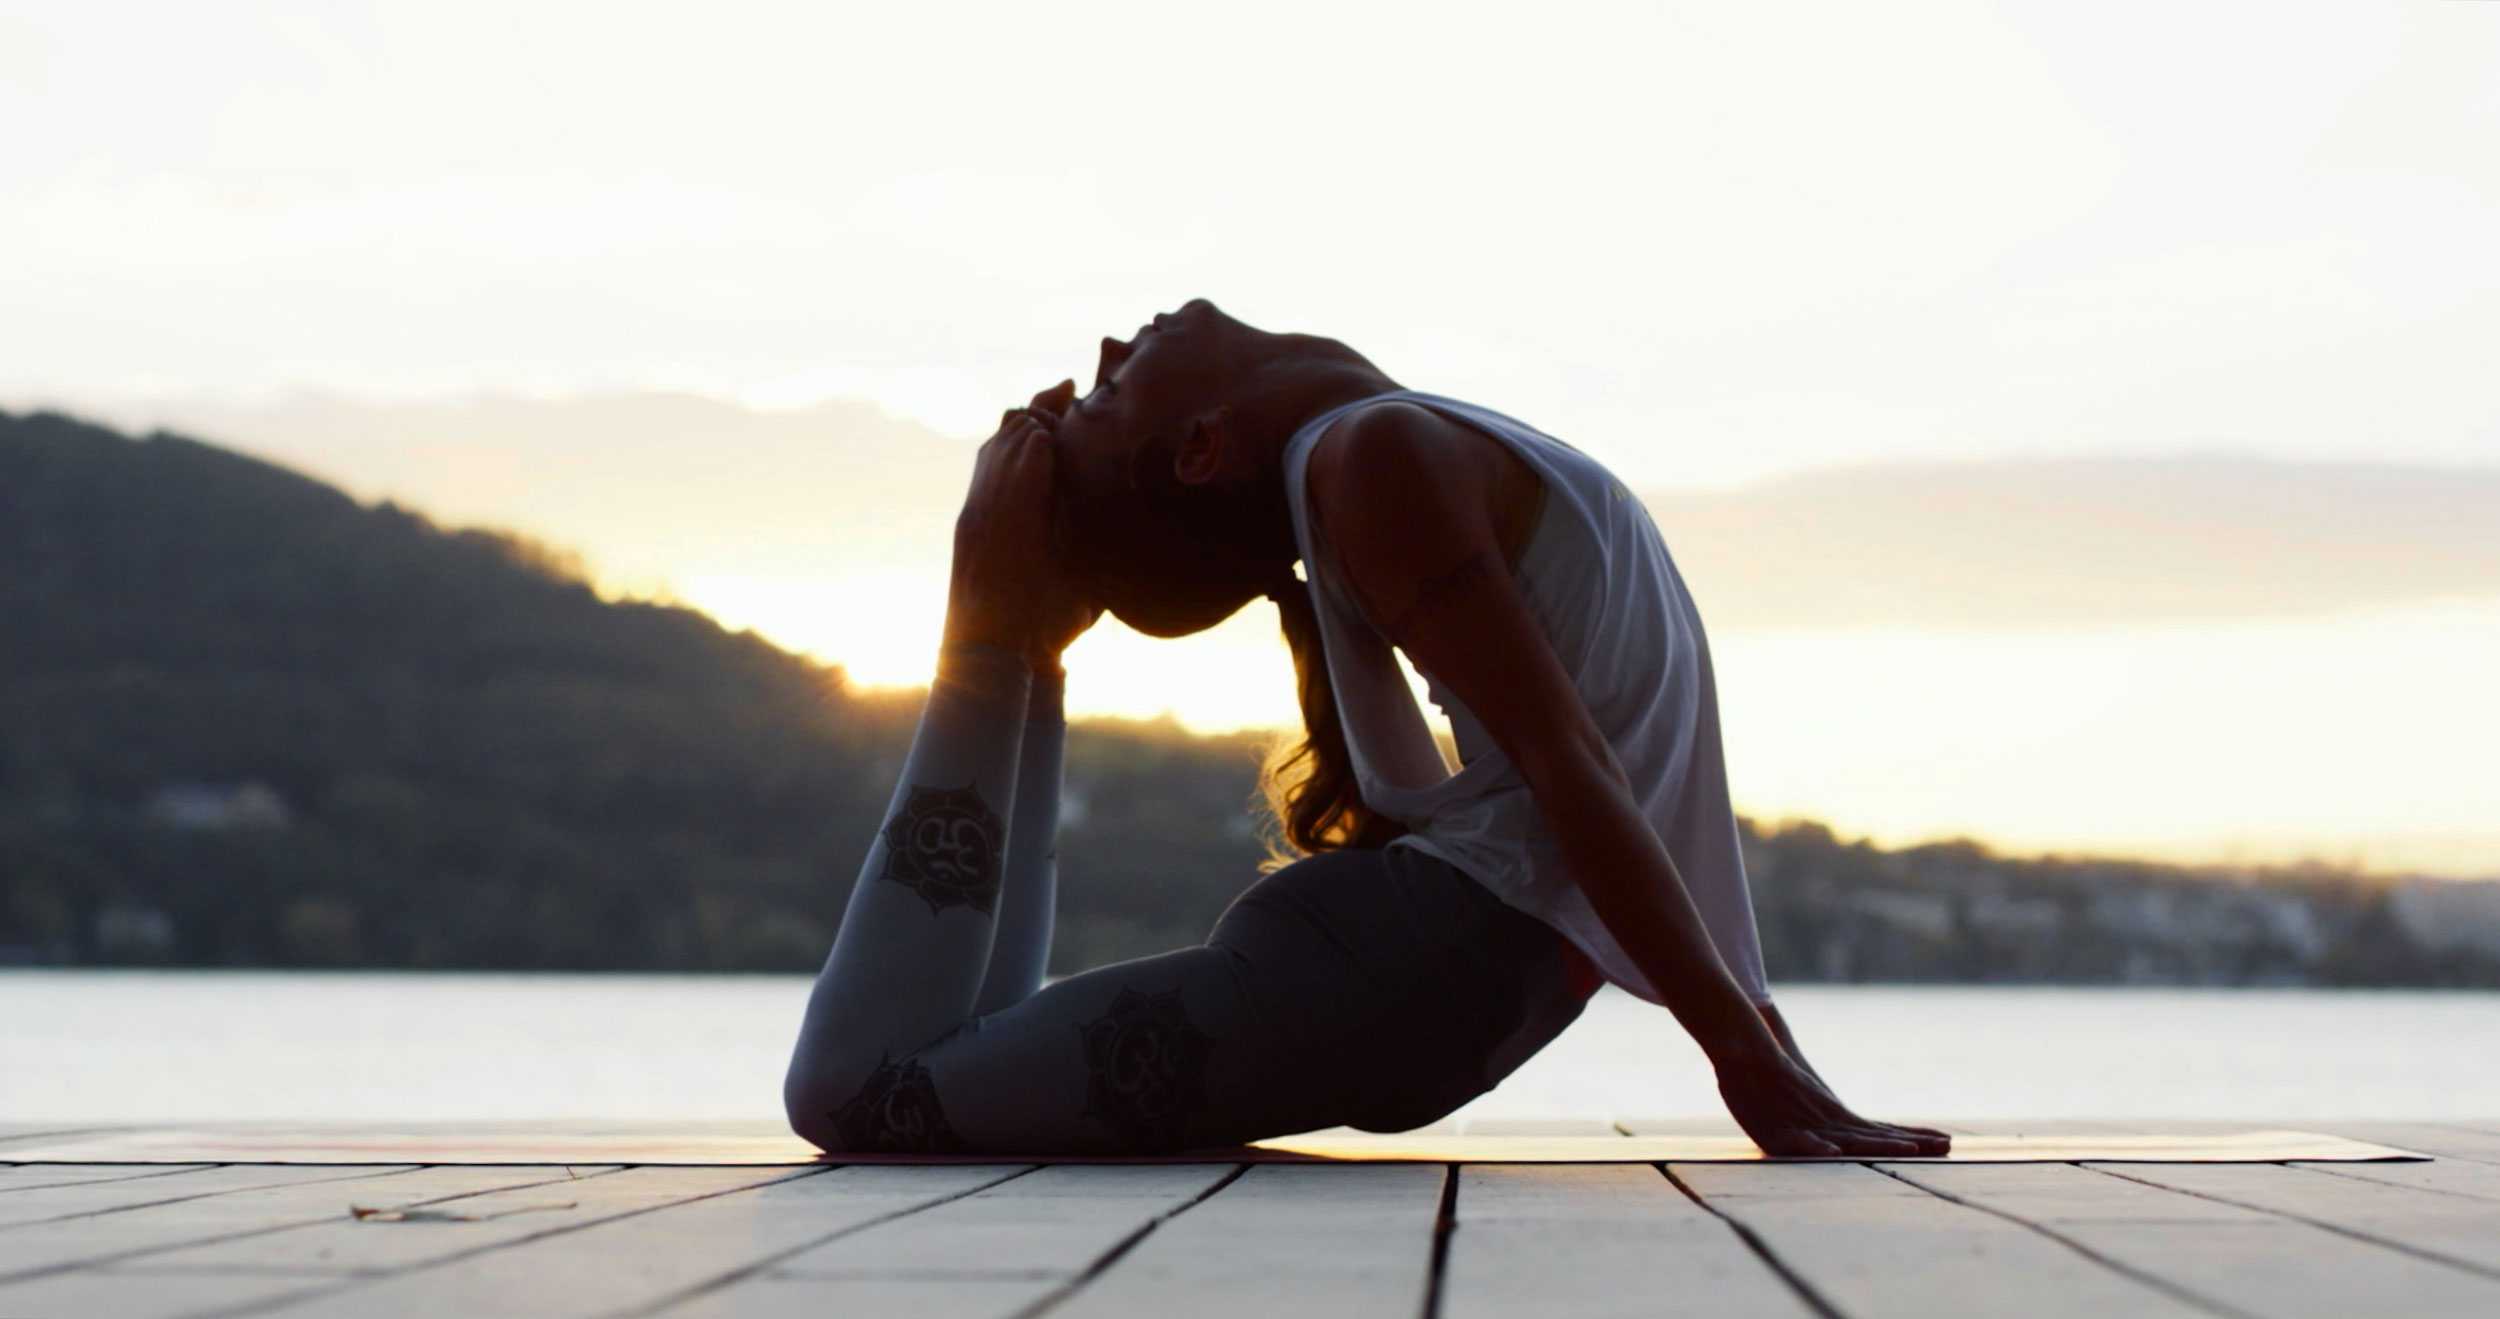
[(1381, 441)]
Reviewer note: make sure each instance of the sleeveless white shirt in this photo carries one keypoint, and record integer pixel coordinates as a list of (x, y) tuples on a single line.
[(1611, 603)]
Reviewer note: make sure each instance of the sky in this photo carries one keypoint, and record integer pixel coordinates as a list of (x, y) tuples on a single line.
[(2213, 266)]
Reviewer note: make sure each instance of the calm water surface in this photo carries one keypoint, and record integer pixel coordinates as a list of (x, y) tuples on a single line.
[(124, 1046)]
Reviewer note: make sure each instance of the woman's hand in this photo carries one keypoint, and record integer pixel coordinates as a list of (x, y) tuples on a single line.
[(1787, 1110), (1008, 587)]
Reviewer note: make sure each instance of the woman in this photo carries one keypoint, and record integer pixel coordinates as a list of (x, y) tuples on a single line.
[(1442, 926)]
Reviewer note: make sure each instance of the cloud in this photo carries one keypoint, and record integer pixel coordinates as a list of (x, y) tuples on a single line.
[(652, 487), (2083, 543), (659, 488)]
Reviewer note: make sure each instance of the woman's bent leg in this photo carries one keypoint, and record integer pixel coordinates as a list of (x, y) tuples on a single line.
[(1354, 988)]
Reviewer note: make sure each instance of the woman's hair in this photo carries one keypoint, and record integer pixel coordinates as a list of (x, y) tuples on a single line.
[(1132, 552), (1310, 786)]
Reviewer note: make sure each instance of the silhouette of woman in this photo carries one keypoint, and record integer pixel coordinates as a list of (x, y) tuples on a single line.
[(1444, 922)]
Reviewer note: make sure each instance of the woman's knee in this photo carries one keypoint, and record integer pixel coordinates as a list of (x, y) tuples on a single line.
[(809, 1100), (891, 1108)]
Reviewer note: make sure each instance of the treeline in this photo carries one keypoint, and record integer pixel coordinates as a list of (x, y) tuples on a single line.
[(247, 721), (1832, 910)]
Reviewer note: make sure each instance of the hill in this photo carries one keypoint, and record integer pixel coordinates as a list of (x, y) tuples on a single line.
[(246, 720)]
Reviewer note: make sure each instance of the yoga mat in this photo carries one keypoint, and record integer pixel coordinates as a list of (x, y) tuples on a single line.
[(736, 1144)]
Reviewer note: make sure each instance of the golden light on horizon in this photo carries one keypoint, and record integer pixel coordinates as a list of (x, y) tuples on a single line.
[(2362, 738), (2357, 739), (882, 628)]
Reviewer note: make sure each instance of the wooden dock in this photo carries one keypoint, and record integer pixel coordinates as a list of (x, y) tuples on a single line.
[(1459, 1240)]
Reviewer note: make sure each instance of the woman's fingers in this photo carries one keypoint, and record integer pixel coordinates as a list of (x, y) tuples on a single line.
[(1020, 439), (1866, 1136), (1044, 411), (1788, 1111), (1927, 1138), (1001, 578), (1011, 471), (1900, 1140), (1054, 401), (1872, 1142), (1018, 425), (1797, 1142)]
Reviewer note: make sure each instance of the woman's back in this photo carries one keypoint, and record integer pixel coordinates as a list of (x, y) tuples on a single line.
[(1600, 582)]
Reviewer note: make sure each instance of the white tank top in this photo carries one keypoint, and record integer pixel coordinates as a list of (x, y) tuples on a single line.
[(1600, 582)]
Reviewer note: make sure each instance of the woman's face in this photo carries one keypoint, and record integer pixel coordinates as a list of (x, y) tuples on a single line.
[(1166, 558), (1150, 385)]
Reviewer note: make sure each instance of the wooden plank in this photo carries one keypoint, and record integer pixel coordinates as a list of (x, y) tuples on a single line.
[(125, 1194), (1595, 1242), (494, 1205), (231, 1271), (1871, 1246), (1056, 1222), (1311, 1241), (636, 1262), (2479, 1181), (999, 1252), (2288, 1270), (36, 1176), (960, 1297), (106, 1294), (338, 1250), (2461, 1230), (2229, 1256), (2055, 1194), (98, 1238)]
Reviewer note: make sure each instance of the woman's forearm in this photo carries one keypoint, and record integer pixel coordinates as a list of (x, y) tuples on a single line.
[(1614, 854)]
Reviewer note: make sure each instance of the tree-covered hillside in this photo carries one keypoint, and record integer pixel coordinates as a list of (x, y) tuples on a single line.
[(245, 720)]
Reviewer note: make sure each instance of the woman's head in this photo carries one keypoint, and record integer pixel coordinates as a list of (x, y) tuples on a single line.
[(1171, 507), (1172, 514)]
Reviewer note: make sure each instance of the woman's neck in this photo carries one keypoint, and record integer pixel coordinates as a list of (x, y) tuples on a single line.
[(1288, 395)]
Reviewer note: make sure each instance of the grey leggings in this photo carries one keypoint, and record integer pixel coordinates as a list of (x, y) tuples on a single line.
[(1376, 989)]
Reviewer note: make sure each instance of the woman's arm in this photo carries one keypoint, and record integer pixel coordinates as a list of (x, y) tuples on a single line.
[(1405, 498), (1045, 614), (1028, 896)]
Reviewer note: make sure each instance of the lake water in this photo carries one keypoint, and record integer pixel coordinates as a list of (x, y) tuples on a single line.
[(99, 1046)]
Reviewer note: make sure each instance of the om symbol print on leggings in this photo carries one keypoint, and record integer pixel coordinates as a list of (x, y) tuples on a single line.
[(897, 1112), (1146, 1069), (948, 846)]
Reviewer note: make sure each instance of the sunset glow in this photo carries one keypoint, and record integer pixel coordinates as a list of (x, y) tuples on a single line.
[(2075, 421)]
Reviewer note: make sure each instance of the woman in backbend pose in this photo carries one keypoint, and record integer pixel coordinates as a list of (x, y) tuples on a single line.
[(1442, 925)]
